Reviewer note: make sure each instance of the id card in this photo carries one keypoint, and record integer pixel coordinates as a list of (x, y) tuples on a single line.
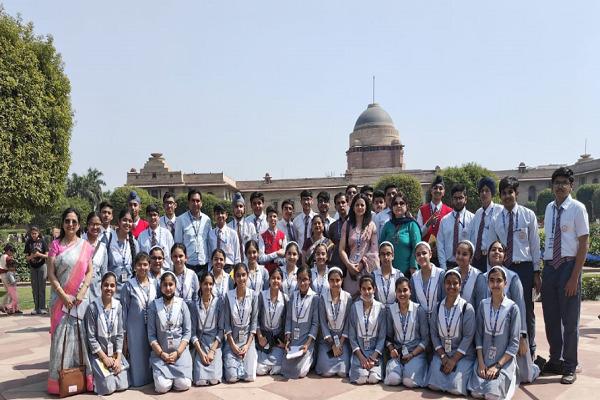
[(492, 353), (124, 276), (448, 345), (109, 350), (170, 343), (296, 333), (336, 340), (404, 351), (242, 335)]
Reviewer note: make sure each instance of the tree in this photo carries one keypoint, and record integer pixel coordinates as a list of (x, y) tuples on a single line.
[(119, 196), (208, 203), (531, 205), (36, 122), (469, 175), (584, 194), (544, 198), (51, 218), (88, 186), (408, 185)]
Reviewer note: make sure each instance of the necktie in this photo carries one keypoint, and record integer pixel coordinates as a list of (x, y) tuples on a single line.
[(509, 240), (218, 238), (455, 239), (556, 243), (479, 236), (306, 218), (239, 233), (256, 225), (171, 227), (290, 230), (153, 241)]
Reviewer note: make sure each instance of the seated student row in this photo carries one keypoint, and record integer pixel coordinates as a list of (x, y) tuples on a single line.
[(351, 336)]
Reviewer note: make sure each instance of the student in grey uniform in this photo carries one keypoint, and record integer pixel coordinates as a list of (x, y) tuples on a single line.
[(367, 331), (122, 248), (169, 332), (426, 285), (240, 322), (333, 357), (137, 295), (318, 274), (470, 286), (290, 270), (187, 280), (407, 339), (258, 276), (104, 329), (223, 281), (99, 257), (497, 342), (452, 329), (301, 327), (386, 276), (207, 334), (270, 335), (527, 370)]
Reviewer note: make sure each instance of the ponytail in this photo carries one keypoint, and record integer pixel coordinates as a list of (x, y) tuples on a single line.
[(131, 247)]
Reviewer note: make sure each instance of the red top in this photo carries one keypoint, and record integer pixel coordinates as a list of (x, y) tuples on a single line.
[(426, 214), (142, 224), (272, 244)]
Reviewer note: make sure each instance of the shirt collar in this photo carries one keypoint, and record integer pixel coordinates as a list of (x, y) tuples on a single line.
[(565, 204)]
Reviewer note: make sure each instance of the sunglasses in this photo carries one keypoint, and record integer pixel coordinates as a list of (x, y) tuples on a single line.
[(399, 203), (71, 222)]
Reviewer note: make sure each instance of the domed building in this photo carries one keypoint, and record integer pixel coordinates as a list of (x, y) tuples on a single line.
[(375, 147)]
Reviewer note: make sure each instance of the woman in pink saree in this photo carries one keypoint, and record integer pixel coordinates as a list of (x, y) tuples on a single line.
[(70, 273)]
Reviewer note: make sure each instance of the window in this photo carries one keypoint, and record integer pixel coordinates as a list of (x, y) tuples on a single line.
[(155, 193), (595, 180), (582, 180), (154, 175), (532, 195)]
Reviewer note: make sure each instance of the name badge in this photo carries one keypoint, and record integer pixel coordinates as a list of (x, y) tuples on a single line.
[(296, 333), (336, 340), (448, 345), (124, 276), (492, 353), (109, 350), (170, 343), (522, 235), (404, 351)]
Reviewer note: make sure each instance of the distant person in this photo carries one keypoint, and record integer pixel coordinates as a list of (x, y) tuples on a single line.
[(351, 191), (271, 243), (134, 203), (335, 230), (245, 230), (323, 199), (480, 226), (224, 238), (384, 215), (378, 201), (286, 223), (454, 227), (258, 217), (10, 301), (302, 220), (192, 229), (430, 215), (36, 253), (106, 218), (169, 205), (156, 235)]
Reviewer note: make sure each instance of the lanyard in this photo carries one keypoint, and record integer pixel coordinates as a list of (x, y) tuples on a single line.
[(272, 308), (386, 283), (109, 321), (301, 301), (221, 285), (497, 313), (123, 251), (289, 279), (462, 286), (366, 320), (169, 313), (427, 294), (145, 295), (335, 311), (449, 322), (208, 309), (181, 283), (320, 279), (358, 240), (192, 221), (253, 280), (404, 323), (241, 308)]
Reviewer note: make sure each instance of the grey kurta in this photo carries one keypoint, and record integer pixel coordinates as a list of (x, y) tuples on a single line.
[(222, 285), (318, 282), (240, 321), (386, 293), (302, 322), (429, 293), (367, 337), (460, 329), (333, 320), (120, 261), (409, 331), (180, 330), (187, 287), (470, 288), (258, 280), (207, 326), (135, 301), (100, 263), (105, 330), (289, 283), (271, 322), (497, 334)]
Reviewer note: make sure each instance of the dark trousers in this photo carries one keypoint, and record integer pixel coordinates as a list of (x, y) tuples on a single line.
[(561, 314), (525, 272), (198, 269), (480, 264)]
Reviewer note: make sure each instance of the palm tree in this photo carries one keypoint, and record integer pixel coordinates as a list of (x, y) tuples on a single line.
[(88, 187)]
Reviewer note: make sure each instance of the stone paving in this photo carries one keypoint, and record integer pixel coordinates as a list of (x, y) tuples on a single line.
[(25, 344)]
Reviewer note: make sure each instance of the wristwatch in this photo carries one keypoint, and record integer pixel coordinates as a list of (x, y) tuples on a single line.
[(498, 365), (524, 335)]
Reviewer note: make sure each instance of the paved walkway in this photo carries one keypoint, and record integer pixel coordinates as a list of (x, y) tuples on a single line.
[(25, 344)]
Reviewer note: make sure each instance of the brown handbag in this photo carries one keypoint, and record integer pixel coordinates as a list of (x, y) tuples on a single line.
[(72, 381)]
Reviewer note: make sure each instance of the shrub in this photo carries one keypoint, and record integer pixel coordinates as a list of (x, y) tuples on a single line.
[(208, 202), (584, 194), (590, 287), (544, 198), (407, 185), (118, 198)]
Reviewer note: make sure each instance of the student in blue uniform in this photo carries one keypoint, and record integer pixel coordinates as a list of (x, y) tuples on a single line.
[(385, 276), (426, 285), (223, 281), (240, 323), (290, 270), (207, 334), (470, 288), (258, 276), (367, 331), (169, 332), (105, 335), (319, 281), (452, 329), (137, 295), (187, 280), (122, 248), (497, 342), (270, 335), (333, 356), (407, 339), (301, 327)]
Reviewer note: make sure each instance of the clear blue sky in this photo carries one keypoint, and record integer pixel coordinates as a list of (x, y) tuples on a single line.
[(249, 87)]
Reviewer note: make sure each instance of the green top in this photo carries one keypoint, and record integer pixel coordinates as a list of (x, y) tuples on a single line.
[(404, 240)]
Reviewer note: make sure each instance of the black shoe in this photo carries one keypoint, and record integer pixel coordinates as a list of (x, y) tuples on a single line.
[(568, 378), (551, 368), (540, 362)]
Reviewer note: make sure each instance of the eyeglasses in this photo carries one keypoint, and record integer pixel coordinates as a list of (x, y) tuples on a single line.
[(157, 258), (561, 183), (399, 203), (70, 222), (438, 187)]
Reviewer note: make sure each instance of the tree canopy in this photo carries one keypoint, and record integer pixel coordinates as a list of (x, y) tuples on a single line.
[(36, 123), (88, 186), (118, 199), (469, 175)]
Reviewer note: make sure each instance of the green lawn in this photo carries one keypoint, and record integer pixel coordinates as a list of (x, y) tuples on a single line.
[(26, 297)]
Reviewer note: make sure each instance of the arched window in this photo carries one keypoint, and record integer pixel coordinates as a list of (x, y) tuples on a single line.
[(532, 193)]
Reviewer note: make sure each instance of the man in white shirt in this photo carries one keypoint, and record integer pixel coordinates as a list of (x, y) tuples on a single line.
[(567, 233), (258, 217), (224, 238), (156, 235), (480, 226), (245, 230), (384, 216), (106, 217), (517, 229), (192, 229), (303, 221), (286, 223), (169, 205), (454, 227), (323, 206)]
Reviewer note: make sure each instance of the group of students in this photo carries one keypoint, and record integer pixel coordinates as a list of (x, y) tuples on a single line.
[(338, 302)]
